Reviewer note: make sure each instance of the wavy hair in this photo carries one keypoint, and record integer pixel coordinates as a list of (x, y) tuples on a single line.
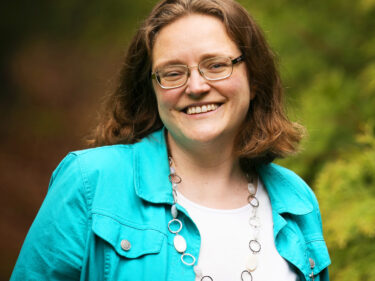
[(131, 111)]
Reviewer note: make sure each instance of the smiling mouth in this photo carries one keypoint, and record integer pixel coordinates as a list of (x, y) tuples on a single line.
[(201, 109)]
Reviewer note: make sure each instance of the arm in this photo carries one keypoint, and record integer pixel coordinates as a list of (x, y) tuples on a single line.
[(55, 245)]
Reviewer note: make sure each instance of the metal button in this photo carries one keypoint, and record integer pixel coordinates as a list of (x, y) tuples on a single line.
[(125, 245), (312, 263)]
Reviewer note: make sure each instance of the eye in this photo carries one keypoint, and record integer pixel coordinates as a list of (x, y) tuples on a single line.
[(173, 72), (216, 65)]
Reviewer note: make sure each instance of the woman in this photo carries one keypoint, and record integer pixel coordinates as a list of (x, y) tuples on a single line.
[(186, 189)]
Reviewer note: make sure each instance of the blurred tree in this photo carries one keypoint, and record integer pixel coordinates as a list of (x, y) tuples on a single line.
[(56, 58), (89, 23), (327, 51), (347, 199)]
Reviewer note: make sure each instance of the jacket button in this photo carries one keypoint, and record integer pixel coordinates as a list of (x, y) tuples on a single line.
[(125, 245)]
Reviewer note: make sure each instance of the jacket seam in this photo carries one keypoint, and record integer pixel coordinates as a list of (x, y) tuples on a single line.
[(105, 147), (88, 202), (131, 224), (315, 240), (107, 264)]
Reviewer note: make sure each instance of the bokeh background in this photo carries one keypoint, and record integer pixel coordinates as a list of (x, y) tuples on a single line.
[(59, 59)]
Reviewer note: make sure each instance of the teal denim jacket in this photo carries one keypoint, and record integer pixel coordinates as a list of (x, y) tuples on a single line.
[(102, 196)]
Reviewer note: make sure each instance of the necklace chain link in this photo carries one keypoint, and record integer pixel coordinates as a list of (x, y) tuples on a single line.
[(175, 226)]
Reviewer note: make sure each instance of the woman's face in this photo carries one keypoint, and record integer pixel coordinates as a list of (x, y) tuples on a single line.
[(188, 41)]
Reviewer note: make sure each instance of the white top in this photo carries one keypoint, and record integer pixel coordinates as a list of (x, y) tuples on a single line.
[(225, 236)]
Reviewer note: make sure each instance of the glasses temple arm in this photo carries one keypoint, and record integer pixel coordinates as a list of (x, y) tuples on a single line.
[(236, 60)]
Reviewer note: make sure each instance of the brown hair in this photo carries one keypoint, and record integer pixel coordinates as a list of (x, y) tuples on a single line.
[(131, 112)]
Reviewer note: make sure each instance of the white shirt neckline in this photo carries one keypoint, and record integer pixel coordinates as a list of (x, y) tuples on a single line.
[(225, 235)]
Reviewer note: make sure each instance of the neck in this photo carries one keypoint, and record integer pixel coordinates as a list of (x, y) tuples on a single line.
[(211, 175), (202, 155)]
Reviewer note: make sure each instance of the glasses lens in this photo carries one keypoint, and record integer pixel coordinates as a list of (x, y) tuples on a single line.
[(172, 76), (216, 68)]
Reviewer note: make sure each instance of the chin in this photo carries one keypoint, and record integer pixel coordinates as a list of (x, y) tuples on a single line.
[(205, 136)]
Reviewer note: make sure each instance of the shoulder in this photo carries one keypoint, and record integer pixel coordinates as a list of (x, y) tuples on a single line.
[(118, 156), (102, 158), (79, 168), (274, 171), (80, 173), (113, 169), (288, 192)]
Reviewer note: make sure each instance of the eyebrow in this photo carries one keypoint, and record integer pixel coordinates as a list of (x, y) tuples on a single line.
[(179, 62), (170, 62)]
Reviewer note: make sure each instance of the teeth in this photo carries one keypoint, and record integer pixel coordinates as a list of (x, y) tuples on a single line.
[(203, 108)]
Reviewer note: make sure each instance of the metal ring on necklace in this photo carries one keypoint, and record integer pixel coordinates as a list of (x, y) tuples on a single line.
[(246, 273), (253, 201), (172, 221), (174, 178)]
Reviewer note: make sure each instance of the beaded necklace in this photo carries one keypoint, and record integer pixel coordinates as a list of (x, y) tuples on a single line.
[(180, 242)]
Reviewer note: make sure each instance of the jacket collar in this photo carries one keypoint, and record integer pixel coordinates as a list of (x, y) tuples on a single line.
[(151, 169), (287, 191)]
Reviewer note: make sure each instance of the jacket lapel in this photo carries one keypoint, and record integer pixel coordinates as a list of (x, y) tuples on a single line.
[(151, 167)]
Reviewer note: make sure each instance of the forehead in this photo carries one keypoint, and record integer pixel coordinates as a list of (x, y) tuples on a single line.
[(192, 38)]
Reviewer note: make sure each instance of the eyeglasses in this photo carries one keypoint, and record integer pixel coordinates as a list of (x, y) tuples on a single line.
[(212, 69)]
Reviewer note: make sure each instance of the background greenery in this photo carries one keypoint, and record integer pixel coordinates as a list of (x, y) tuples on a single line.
[(59, 58)]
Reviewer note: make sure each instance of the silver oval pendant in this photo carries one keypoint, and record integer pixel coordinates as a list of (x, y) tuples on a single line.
[(252, 262), (254, 222), (198, 271), (179, 243), (251, 188)]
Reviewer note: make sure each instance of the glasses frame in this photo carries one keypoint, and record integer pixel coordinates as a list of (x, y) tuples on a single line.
[(154, 75)]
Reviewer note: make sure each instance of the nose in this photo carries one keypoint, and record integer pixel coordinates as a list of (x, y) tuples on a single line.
[(196, 85)]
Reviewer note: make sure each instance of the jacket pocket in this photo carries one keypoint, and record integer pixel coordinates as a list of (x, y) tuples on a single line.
[(128, 240)]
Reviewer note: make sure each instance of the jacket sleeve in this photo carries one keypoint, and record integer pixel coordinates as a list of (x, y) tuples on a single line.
[(55, 244)]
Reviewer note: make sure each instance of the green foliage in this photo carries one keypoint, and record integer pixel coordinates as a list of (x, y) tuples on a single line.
[(327, 61), (346, 192)]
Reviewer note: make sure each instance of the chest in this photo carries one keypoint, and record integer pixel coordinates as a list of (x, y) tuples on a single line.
[(226, 234), (120, 249)]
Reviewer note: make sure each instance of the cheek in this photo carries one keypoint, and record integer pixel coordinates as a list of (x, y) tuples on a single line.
[(166, 99), (244, 91), (239, 92), (238, 89)]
